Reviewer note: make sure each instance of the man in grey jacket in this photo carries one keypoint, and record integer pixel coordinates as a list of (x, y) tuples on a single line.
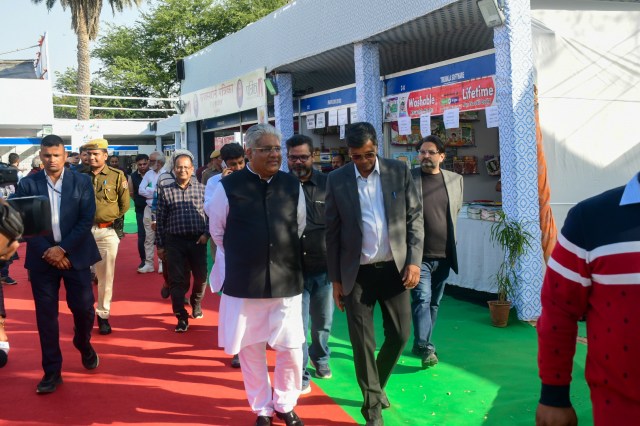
[(441, 193), (374, 249)]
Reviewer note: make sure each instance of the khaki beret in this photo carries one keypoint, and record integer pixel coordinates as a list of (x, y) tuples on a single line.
[(96, 144), (215, 154)]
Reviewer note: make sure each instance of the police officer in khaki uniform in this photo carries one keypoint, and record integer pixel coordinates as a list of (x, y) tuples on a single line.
[(112, 202)]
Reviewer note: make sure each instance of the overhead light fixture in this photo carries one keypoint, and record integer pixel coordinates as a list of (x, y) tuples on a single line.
[(491, 12), (271, 86)]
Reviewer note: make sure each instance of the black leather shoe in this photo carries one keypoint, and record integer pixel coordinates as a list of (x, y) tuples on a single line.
[(103, 326), (290, 418), (90, 360), (385, 402), (263, 421), (165, 292), (235, 361), (49, 383)]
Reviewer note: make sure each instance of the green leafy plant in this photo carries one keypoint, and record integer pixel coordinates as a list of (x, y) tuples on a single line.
[(515, 240)]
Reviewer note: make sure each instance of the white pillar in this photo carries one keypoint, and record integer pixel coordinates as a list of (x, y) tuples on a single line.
[(369, 87), (518, 155), (283, 103)]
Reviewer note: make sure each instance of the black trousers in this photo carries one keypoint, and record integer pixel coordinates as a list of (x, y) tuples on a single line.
[(45, 287), (383, 286), (3, 313), (180, 250), (141, 234)]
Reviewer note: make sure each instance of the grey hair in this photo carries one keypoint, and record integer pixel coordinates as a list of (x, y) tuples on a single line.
[(257, 131), (36, 162), (159, 156), (168, 166)]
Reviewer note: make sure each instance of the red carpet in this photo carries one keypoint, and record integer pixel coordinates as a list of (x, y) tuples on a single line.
[(148, 374)]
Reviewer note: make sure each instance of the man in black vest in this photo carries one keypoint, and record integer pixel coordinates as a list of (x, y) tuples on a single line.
[(257, 224), (140, 202)]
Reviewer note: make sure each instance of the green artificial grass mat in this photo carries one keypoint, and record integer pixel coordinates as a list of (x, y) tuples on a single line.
[(486, 375), (130, 225)]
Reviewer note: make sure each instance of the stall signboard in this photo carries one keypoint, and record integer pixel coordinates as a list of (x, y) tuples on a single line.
[(240, 94), (470, 67), (468, 95), (336, 99), (467, 84)]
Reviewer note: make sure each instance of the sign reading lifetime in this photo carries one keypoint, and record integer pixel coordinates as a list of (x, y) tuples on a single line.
[(240, 94), (469, 95)]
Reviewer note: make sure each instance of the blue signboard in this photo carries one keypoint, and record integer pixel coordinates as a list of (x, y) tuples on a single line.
[(482, 66), (19, 141), (338, 98), (224, 121), (124, 147)]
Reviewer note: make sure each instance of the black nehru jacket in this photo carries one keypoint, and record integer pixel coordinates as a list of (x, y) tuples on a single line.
[(261, 243), (139, 201)]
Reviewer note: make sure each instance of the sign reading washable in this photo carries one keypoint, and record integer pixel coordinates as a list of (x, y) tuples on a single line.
[(467, 84), (466, 96), (232, 96)]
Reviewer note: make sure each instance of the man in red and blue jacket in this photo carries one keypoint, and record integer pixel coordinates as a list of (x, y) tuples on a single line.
[(594, 271)]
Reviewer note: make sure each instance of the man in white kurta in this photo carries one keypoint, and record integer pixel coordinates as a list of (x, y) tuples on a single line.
[(248, 324), (147, 189)]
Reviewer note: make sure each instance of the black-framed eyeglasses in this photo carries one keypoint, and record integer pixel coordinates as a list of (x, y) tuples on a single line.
[(367, 155), (294, 158), (269, 149), (429, 152)]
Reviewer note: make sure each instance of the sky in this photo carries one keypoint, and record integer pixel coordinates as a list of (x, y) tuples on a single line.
[(22, 24)]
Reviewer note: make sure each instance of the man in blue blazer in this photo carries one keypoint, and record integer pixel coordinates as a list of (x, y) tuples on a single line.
[(66, 254)]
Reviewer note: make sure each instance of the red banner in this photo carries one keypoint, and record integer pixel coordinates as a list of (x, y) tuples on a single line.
[(467, 96)]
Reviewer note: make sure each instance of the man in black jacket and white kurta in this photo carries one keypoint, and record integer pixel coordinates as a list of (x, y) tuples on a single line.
[(262, 286)]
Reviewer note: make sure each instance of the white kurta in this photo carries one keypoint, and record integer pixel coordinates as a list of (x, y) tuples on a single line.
[(243, 322)]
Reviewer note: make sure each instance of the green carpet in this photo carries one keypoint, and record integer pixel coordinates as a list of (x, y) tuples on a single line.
[(130, 225), (486, 375)]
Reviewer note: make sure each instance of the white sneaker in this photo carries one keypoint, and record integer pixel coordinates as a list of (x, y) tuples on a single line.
[(159, 267), (306, 389), (145, 269)]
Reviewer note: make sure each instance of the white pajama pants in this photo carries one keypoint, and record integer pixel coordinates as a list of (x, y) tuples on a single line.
[(287, 378)]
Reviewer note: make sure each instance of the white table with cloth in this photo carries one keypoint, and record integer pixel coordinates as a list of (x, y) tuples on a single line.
[(478, 258)]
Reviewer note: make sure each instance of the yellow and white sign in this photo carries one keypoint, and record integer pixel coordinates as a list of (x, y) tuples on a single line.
[(240, 94)]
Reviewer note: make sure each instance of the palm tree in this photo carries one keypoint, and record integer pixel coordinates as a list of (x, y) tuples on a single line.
[(85, 16)]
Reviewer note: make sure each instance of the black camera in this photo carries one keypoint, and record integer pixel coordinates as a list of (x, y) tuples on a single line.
[(29, 216)]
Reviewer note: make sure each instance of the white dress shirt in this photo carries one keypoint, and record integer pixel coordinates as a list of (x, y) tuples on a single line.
[(209, 189), (148, 185), (375, 235), (55, 196)]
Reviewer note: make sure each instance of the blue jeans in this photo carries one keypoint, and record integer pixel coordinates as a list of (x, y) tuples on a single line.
[(425, 301), (317, 304)]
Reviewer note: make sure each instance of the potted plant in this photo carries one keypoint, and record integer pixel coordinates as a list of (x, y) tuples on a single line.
[(515, 241)]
